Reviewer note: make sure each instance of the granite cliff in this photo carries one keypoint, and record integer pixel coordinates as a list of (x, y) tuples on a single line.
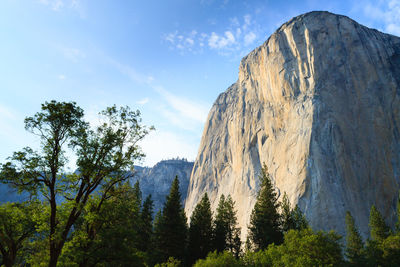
[(157, 180), (318, 103)]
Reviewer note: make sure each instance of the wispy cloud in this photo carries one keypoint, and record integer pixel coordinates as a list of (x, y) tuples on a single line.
[(182, 107), (10, 121), (387, 12), (143, 101), (181, 111), (249, 38), (58, 5), (61, 77), (72, 54), (130, 72), (221, 41), (238, 36)]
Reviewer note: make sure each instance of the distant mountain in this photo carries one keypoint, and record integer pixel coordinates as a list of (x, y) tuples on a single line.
[(157, 180), (9, 194)]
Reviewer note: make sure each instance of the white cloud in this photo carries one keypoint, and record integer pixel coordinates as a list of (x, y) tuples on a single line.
[(189, 41), (143, 101), (249, 38), (247, 20), (386, 11), (58, 5), (61, 77), (182, 42), (235, 39), (217, 42)]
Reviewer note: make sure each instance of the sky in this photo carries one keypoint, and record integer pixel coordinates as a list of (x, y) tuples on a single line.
[(169, 58)]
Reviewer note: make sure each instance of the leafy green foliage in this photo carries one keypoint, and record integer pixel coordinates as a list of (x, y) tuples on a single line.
[(265, 221), (104, 156), (200, 231), (171, 262), (224, 259), (17, 225), (110, 234), (300, 248)]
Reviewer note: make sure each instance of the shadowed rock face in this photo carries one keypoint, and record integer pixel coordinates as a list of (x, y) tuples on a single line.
[(318, 103), (158, 179)]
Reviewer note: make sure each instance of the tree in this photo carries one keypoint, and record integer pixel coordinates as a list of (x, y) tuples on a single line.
[(226, 233), (104, 157), (398, 215), (200, 231), (377, 226), (354, 243), (17, 225), (265, 221), (146, 232), (223, 259), (171, 227), (300, 248), (220, 228), (300, 221), (287, 214), (291, 218), (108, 236)]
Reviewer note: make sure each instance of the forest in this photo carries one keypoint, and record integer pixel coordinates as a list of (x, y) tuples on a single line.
[(94, 216)]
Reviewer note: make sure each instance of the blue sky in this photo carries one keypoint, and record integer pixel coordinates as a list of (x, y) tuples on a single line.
[(169, 59)]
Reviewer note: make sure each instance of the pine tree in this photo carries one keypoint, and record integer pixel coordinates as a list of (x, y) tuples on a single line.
[(219, 226), (172, 227), (377, 226), (265, 221), (137, 193), (233, 241), (287, 214), (398, 215), (299, 220), (354, 243), (146, 217), (200, 231), (226, 233), (291, 218)]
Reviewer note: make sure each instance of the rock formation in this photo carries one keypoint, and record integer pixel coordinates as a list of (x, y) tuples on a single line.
[(157, 180), (318, 103)]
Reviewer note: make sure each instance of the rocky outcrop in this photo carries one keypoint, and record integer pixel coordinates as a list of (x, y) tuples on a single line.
[(158, 179), (318, 103)]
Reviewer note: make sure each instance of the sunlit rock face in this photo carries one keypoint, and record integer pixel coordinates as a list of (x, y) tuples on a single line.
[(158, 179), (318, 103)]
